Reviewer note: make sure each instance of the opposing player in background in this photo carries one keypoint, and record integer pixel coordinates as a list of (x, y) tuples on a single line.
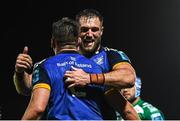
[(145, 110)]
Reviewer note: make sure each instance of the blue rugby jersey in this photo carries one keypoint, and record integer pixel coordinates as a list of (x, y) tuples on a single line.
[(108, 58), (69, 104)]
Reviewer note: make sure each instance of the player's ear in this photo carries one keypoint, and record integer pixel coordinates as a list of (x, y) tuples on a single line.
[(52, 42), (79, 41), (102, 29)]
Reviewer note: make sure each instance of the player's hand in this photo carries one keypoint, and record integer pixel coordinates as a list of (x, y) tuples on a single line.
[(23, 61), (77, 77)]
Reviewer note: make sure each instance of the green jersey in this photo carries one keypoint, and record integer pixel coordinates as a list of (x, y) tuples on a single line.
[(147, 111)]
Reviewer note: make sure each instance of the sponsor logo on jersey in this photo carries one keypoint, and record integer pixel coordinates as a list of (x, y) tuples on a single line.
[(99, 60)]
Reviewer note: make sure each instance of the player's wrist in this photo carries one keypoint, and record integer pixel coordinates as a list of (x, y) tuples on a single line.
[(18, 75), (97, 79), (18, 72)]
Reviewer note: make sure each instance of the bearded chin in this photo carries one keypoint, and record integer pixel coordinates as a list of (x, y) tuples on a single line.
[(88, 52)]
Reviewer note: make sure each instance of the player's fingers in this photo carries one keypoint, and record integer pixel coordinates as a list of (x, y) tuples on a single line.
[(69, 80), (21, 66), (25, 51), (74, 68), (23, 63), (68, 74), (71, 85), (21, 56), (26, 58)]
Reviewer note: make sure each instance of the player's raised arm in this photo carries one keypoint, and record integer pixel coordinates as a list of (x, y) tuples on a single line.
[(22, 74)]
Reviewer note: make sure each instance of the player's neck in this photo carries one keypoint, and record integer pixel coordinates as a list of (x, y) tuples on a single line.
[(135, 100), (64, 49)]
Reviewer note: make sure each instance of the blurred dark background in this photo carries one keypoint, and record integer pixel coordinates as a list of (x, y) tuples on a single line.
[(148, 31)]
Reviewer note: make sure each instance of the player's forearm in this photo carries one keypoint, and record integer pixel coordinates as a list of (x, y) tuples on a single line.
[(121, 104), (22, 83), (129, 112), (123, 78), (32, 114)]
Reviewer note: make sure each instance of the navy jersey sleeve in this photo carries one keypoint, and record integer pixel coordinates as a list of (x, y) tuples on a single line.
[(40, 77), (116, 57)]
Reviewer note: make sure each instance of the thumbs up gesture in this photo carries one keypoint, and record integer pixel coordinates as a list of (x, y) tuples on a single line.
[(23, 62)]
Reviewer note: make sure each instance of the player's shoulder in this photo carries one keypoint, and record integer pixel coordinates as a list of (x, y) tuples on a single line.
[(149, 107), (39, 63), (116, 52), (154, 112), (108, 49)]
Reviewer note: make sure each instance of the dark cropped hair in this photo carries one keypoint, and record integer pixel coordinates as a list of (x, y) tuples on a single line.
[(65, 31), (89, 13)]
